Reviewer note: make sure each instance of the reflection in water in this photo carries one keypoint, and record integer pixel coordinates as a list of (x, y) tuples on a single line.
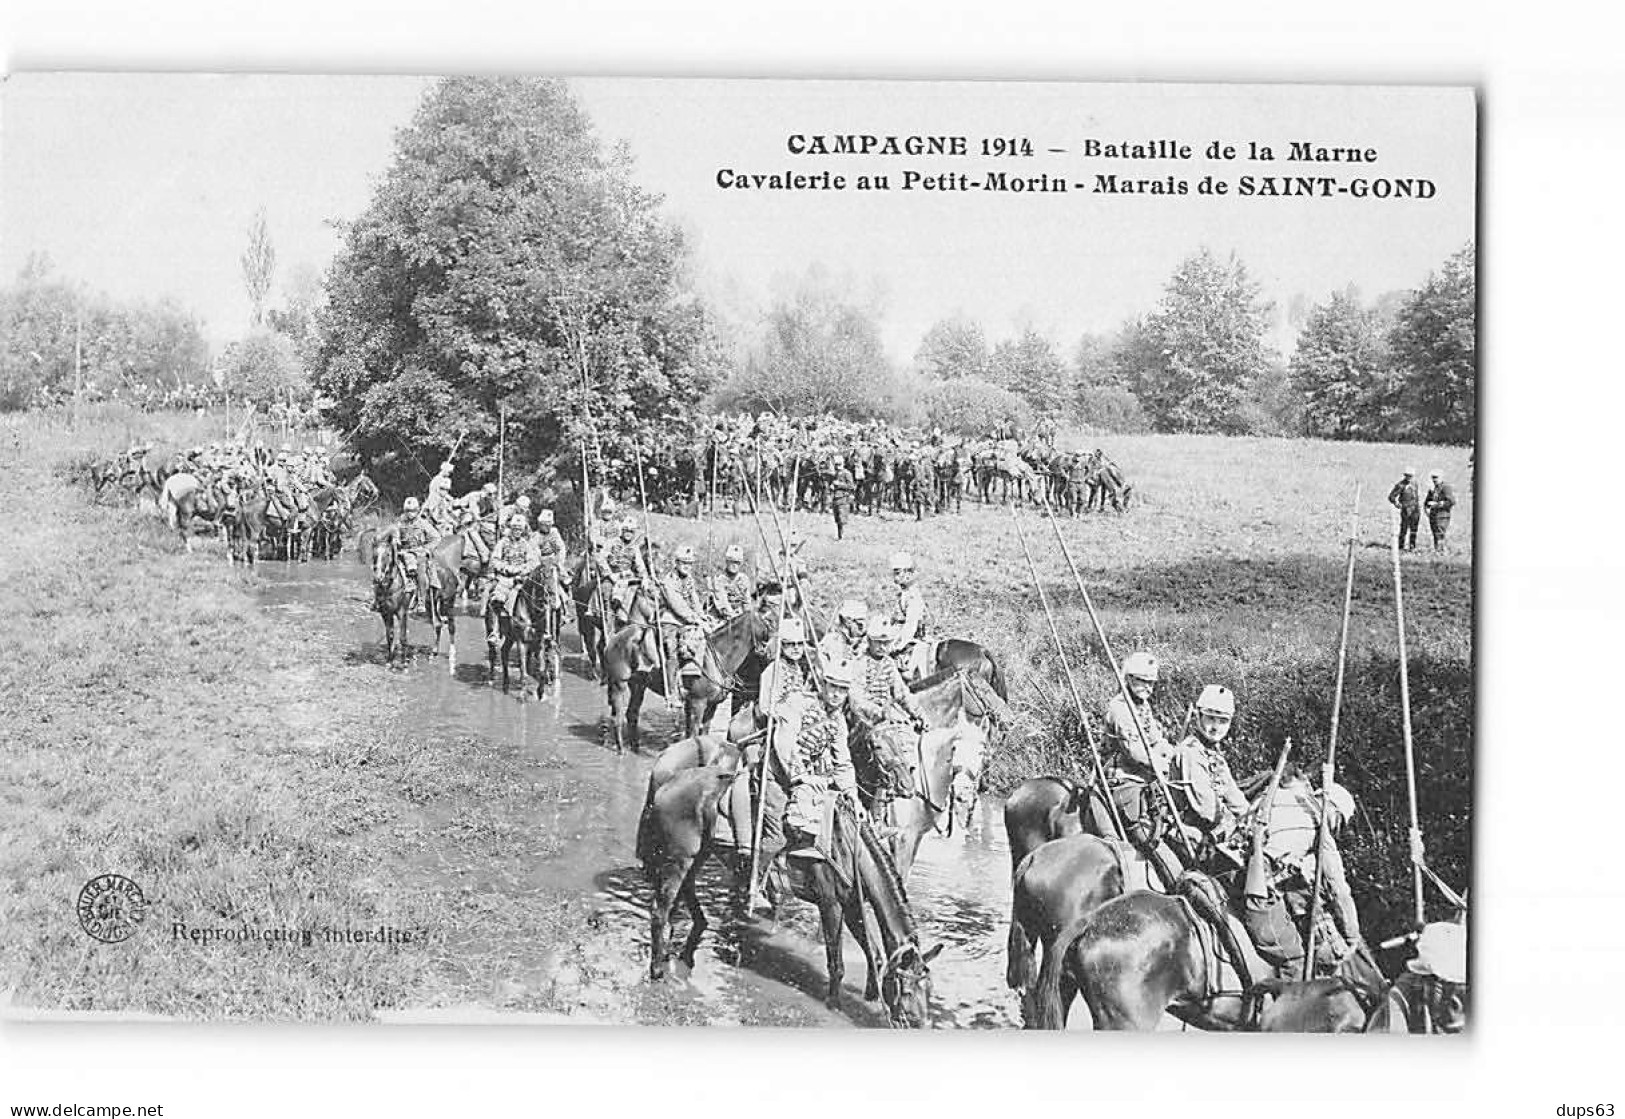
[(746, 971)]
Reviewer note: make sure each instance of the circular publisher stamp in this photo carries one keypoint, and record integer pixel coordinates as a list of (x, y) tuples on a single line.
[(110, 907)]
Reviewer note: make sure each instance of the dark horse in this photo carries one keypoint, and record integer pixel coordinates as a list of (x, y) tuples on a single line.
[(958, 653), (591, 602), (731, 661), (244, 517), (391, 597), (675, 837), (533, 625), (1145, 953)]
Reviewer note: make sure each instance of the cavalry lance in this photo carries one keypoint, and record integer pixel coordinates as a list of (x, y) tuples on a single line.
[(1072, 684), (1329, 770), (1122, 685), (1405, 724)]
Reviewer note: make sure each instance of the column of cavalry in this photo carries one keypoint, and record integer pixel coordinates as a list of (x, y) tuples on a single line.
[(265, 504), (867, 467)]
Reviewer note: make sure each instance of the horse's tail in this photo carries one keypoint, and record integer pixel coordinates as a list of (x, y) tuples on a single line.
[(995, 677), (171, 507), (1018, 967)]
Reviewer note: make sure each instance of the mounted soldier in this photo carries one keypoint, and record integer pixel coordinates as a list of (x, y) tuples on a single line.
[(1132, 771), (413, 536), (437, 504), (514, 558), (1211, 804), (1277, 911), (730, 589), (551, 555), (844, 644), (786, 690), (818, 766), (879, 693), (682, 618), (623, 564), (908, 618)]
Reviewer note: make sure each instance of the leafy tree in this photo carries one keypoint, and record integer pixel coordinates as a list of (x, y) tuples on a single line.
[(951, 349), (259, 266), (1203, 348), (1434, 348), (506, 261), (970, 406), (1029, 367), (1340, 368), (264, 369), (818, 351), (1101, 397)]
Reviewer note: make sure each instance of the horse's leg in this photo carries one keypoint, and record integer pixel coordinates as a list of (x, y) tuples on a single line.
[(867, 933), (695, 912), (634, 704), (665, 882), (616, 693), (829, 913)]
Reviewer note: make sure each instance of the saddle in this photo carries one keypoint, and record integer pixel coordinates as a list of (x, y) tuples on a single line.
[(1207, 905)]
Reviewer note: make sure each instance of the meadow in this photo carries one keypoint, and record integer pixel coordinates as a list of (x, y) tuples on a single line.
[(1229, 567)]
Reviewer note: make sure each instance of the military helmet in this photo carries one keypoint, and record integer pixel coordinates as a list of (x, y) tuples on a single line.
[(523, 501), (544, 516), (629, 524), (734, 553), (518, 520), (1410, 472), (854, 609), (287, 449), (489, 487), (791, 629), (608, 507), (684, 554), (1216, 699), (1435, 475), (879, 628), (445, 467), (410, 505), (902, 561), (1142, 665), (1441, 951), (838, 674), (1340, 799)]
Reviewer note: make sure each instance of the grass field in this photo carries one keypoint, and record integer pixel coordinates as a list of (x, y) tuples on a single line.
[(1230, 569)]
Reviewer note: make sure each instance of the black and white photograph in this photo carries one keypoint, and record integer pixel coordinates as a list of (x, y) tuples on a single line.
[(942, 555)]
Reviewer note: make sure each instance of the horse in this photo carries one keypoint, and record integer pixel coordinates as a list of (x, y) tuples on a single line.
[(907, 779), (177, 499), (532, 624), (675, 836), (961, 654), (731, 662), (1144, 954), (1053, 889), (589, 596), (631, 665), (244, 516), (391, 597), (443, 583)]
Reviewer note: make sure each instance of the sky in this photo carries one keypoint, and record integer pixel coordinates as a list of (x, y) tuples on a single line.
[(144, 186)]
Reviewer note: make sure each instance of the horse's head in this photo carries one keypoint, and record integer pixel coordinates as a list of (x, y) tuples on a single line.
[(905, 986)]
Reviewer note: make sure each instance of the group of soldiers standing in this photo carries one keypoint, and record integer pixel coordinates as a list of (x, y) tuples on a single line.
[(1407, 497)]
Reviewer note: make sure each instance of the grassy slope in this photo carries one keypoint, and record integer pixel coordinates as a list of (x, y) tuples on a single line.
[(162, 725), (1230, 569)]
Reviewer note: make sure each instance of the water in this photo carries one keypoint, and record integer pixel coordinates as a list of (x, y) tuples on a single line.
[(583, 832)]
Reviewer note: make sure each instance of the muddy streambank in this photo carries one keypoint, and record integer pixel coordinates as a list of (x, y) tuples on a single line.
[(522, 825)]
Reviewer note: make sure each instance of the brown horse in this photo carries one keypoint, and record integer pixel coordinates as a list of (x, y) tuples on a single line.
[(731, 661), (631, 666), (244, 516), (591, 602), (533, 625), (1144, 953), (675, 836)]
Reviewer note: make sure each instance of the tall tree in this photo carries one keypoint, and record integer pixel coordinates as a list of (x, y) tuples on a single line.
[(1206, 348), (818, 351), (953, 348), (1029, 367), (1340, 367), (1434, 348), (259, 267), (1101, 375), (507, 261)]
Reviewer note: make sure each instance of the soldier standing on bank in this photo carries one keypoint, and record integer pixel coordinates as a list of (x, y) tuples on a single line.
[(1440, 500), (1407, 498), (842, 488)]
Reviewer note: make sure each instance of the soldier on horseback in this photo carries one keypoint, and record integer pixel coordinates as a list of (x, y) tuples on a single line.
[(551, 556), (844, 643), (880, 695), (730, 590), (681, 618), (818, 764), (785, 691), (1211, 803), (437, 505), (515, 557), (1131, 770), (1277, 910), (412, 537), (623, 565), (909, 618)]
